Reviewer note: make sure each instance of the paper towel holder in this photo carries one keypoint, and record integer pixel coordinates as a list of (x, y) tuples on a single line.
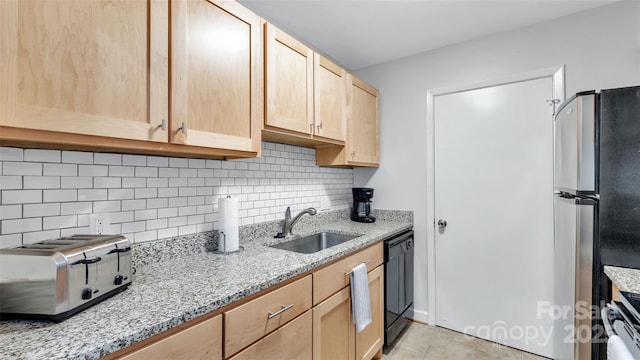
[(224, 251)]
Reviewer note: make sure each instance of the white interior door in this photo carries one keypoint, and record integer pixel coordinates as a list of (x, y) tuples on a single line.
[(494, 188)]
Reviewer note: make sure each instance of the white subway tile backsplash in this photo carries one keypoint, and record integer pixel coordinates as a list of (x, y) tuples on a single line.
[(133, 226), (14, 226), (178, 162), (145, 193), (168, 172), (162, 233), (120, 194), (60, 170), (146, 214), (107, 159), (133, 204), (10, 241), (155, 197), (135, 160), (92, 194), (134, 182), (106, 206), (158, 182), (41, 182), (167, 212), (158, 161), (122, 171), (10, 212), (10, 182), (93, 170), (107, 182), (37, 210), (145, 236), (73, 208), (21, 168), (121, 217), (167, 192), (77, 157), (21, 196), (76, 182), (146, 172), (177, 221), (40, 155), (59, 222), (11, 154)]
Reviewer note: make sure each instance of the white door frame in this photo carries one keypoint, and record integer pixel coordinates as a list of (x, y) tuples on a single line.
[(556, 73)]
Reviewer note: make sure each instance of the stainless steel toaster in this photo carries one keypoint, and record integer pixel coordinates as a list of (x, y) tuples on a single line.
[(57, 278)]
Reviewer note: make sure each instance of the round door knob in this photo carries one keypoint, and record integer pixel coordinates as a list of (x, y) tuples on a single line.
[(442, 224)]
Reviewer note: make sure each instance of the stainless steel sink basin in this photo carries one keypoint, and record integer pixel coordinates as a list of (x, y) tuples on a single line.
[(314, 243)]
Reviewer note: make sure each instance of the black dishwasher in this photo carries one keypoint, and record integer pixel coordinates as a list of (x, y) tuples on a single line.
[(398, 285)]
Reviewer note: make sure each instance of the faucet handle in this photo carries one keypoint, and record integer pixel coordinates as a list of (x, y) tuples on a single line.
[(287, 213)]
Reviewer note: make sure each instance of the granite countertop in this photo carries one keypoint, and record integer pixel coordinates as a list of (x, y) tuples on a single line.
[(625, 279), (177, 289)]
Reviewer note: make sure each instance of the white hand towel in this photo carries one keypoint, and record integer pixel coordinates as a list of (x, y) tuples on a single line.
[(360, 297), (617, 350)]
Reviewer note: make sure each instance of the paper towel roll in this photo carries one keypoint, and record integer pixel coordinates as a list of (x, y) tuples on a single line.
[(228, 220)]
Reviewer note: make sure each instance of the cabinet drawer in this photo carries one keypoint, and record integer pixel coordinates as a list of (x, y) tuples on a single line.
[(253, 320), (332, 278), (292, 341), (201, 341)]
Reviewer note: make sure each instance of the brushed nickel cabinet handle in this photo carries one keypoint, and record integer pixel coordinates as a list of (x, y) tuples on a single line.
[(319, 126), (353, 154), (163, 125), (349, 272), (183, 128), (282, 309)]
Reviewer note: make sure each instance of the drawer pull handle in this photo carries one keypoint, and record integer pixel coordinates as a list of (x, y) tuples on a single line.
[(349, 272), (283, 309)]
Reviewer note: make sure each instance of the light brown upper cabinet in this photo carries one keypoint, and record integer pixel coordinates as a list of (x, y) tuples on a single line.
[(362, 146), (85, 67), (216, 75), (305, 93), (95, 75)]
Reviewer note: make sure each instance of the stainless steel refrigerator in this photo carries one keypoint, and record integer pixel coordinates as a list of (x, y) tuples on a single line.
[(596, 210)]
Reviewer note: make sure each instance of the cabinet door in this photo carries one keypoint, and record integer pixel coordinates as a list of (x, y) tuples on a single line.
[(329, 99), (369, 341), (292, 341), (85, 67), (362, 123), (216, 75), (201, 341), (289, 82), (333, 331)]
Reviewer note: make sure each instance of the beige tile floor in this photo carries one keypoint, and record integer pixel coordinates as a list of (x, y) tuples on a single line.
[(423, 342)]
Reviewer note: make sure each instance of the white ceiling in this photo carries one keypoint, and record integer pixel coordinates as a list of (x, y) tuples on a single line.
[(361, 33)]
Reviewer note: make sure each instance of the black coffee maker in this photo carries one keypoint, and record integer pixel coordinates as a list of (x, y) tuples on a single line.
[(361, 211)]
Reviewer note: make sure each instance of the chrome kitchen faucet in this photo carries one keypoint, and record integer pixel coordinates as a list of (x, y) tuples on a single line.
[(287, 225)]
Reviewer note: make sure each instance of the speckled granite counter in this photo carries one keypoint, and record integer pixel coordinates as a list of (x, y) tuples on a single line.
[(625, 279), (174, 289)]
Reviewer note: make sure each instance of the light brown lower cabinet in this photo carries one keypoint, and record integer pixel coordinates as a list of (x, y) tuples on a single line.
[(334, 334), (292, 341), (369, 341), (200, 341), (282, 324)]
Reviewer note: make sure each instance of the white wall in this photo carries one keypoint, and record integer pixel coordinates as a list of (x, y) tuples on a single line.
[(600, 48)]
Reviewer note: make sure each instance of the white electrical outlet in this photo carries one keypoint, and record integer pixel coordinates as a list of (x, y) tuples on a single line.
[(99, 223), (325, 203)]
